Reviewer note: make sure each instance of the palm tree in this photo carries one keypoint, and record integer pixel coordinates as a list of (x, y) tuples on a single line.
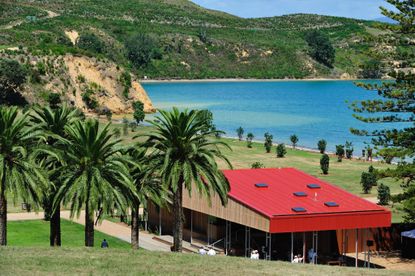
[(148, 188), (96, 175), (52, 122), (185, 156), (294, 140), (18, 174)]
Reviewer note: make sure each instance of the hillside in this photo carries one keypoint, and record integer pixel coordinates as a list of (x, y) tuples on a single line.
[(89, 261), (192, 42)]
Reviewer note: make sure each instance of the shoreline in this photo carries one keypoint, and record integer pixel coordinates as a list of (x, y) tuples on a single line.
[(150, 81)]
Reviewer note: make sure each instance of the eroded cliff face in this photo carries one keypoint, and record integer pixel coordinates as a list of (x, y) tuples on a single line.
[(104, 79), (89, 84)]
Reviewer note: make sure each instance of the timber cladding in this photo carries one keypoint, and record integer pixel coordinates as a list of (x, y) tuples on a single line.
[(233, 211)]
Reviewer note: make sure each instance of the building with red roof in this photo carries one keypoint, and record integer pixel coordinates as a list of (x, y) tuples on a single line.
[(280, 212)]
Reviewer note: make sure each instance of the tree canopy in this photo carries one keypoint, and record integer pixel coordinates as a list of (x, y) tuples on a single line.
[(321, 48), (12, 77)]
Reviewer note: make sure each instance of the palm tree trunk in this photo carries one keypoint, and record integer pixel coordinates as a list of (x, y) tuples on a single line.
[(178, 218), (89, 227), (3, 217), (55, 228), (135, 227)]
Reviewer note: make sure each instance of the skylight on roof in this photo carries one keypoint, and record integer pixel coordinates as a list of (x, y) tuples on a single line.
[(313, 186), (261, 185), (299, 209), (331, 204), (300, 194)]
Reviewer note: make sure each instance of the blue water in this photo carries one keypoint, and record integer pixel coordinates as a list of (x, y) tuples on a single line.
[(312, 110)]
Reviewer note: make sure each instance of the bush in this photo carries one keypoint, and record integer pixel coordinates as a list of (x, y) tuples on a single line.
[(141, 49), (368, 180), (126, 82), (339, 152), (371, 69), (117, 132), (139, 114), (257, 165), (321, 145), (54, 100), (321, 48), (240, 132), (294, 140), (349, 150), (384, 194), (12, 77), (125, 123), (268, 142), (325, 163), (249, 139), (281, 150), (90, 42)]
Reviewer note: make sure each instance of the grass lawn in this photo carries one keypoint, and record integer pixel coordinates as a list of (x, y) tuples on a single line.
[(35, 233), (94, 261)]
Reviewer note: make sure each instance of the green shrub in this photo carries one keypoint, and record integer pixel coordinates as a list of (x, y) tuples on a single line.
[(321, 145), (90, 42), (368, 180), (249, 139), (240, 132), (268, 142), (139, 114), (54, 100), (340, 152), (281, 150), (141, 49), (325, 163), (384, 194), (257, 165), (349, 150), (321, 48), (294, 140), (12, 77)]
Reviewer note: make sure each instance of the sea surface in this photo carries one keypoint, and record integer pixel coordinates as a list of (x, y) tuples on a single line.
[(312, 110)]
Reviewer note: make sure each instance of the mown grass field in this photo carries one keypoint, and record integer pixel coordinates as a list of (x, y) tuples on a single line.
[(90, 261), (35, 233)]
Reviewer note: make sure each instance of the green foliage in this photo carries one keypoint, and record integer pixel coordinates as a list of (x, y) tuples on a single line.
[(89, 99), (321, 145), (340, 152), (209, 125), (182, 153), (325, 163), (54, 100), (249, 137), (117, 132), (12, 77), (126, 82), (257, 165), (125, 124), (281, 150), (240, 132), (294, 140), (268, 142), (371, 69), (202, 35), (139, 114), (321, 48), (393, 104), (141, 49), (349, 150), (90, 42), (368, 180), (384, 194)]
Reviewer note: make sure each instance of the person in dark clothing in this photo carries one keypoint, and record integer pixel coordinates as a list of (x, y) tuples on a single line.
[(104, 244)]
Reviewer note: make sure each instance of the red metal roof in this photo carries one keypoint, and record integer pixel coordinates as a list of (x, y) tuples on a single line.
[(277, 200)]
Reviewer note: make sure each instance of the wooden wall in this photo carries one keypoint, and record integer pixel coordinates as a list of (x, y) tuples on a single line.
[(234, 211)]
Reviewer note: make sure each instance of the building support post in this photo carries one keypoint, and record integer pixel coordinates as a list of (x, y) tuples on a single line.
[(247, 241), (357, 248), (304, 247), (268, 242), (159, 221), (292, 246), (316, 248), (228, 237), (191, 226)]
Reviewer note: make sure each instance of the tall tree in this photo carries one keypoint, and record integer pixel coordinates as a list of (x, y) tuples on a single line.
[(186, 160), (12, 77), (96, 176), (321, 48), (53, 123), (148, 188), (240, 132), (294, 140), (395, 102), (18, 174)]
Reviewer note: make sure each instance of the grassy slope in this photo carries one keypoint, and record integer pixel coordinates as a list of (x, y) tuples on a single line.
[(176, 25), (36, 234), (64, 261)]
